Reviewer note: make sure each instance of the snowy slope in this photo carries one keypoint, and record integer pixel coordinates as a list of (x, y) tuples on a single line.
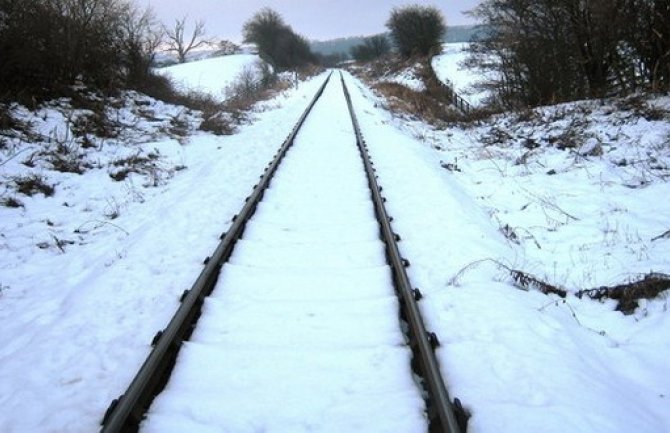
[(212, 75), (407, 77), (518, 359), (449, 68)]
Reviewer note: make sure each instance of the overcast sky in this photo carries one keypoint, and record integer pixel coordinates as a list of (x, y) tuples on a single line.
[(314, 19)]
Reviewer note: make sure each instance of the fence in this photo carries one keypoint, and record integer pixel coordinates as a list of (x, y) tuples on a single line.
[(448, 88)]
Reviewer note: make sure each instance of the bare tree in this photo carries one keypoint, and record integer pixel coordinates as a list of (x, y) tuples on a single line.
[(372, 48), (177, 41), (648, 33), (142, 35)]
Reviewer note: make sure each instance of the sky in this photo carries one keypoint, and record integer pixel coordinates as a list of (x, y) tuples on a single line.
[(314, 19)]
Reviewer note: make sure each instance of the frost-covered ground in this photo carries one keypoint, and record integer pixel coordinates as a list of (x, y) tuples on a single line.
[(574, 195), (212, 75)]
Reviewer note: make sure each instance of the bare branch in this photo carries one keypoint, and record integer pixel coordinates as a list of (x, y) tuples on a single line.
[(176, 38)]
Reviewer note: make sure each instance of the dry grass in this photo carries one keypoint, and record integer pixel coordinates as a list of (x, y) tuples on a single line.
[(432, 105), (33, 184), (628, 295), (140, 164), (640, 107), (422, 105)]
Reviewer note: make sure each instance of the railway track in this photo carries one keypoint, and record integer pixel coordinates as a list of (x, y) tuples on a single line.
[(306, 319)]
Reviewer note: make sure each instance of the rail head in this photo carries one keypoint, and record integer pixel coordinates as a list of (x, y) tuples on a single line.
[(125, 413), (445, 417)]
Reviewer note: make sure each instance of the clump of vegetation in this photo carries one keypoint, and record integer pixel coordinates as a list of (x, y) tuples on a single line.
[(218, 124), (95, 123), (402, 99), (179, 125), (7, 122), (33, 184), (67, 160), (416, 30), (640, 108), (11, 202), (138, 163), (627, 295), (276, 41)]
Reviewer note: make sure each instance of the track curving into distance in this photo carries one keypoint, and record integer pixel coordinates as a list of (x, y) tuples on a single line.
[(306, 320)]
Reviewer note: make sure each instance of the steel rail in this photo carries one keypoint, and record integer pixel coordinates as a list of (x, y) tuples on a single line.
[(442, 415), (125, 413)]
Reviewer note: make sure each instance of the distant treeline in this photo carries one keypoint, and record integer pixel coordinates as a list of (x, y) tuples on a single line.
[(344, 45)]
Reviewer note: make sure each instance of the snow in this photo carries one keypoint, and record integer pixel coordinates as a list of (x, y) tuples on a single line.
[(77, 323), (407, 77), (333, 362), (574, 195), (449, 69), (211, 76), (518, 359)]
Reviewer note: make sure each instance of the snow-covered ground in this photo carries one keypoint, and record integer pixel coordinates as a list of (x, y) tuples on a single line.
[(212, 75), (407, 77), (449, 68), (575, 195), (89, 274), (470, 208), (304, 317)]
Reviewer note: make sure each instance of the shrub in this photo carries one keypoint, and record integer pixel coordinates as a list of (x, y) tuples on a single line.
[(416, 30), (218, 124)]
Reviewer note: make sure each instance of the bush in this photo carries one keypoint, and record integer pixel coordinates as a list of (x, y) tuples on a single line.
[(46, 46), (416, 30), (276, 41), (552, 51)]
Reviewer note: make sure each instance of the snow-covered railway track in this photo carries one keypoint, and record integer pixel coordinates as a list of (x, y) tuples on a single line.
[(302, 332)]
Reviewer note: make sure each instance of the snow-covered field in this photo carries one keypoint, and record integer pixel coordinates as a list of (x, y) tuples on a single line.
[(212, 75), (574, 195)]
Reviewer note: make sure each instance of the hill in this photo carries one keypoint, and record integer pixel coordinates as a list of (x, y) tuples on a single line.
[(211, 75), (343, 45)]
